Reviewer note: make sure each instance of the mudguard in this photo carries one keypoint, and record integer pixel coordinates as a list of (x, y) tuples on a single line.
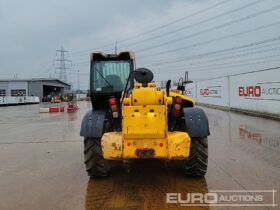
[(196, 122), (92, 124)]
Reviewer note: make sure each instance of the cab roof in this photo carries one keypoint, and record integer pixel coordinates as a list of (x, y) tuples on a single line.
[(121, 55)]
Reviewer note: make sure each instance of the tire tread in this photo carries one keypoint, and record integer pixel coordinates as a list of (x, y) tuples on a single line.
[(96, 165), (196, 165)]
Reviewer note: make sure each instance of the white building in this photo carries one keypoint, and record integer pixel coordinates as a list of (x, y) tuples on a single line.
[(41, 87)]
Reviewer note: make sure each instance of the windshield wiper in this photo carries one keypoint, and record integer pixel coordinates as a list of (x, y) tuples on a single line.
[(111, 86)]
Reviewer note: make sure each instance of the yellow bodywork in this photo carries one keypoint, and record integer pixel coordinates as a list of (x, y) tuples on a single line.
[(145, 128), (176, 145), (174, 93), (144, 121)]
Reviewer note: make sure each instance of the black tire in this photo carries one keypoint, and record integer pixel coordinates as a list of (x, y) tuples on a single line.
[(196, 165), (96, 165)]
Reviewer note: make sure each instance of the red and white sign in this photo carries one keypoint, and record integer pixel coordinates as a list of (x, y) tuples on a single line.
[(256, 91), (265, 91), (214, 91)]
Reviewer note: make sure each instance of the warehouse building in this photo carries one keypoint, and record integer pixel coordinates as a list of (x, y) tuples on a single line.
[(41, 87)]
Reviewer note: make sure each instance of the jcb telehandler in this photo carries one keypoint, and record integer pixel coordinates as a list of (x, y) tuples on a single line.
[(132, 118)]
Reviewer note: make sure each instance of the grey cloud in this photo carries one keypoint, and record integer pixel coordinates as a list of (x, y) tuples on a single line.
[(32, 30)]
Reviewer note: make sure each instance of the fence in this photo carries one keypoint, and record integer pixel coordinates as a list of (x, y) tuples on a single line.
[(257, 91), (14, 100)]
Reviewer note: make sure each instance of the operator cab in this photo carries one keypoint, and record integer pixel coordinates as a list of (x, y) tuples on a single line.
[(108, 76)]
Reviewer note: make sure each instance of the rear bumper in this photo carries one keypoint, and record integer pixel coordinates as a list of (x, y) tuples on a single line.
[(176, 145)]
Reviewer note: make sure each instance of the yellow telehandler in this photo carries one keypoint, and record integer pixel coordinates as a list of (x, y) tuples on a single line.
[(131, 118)]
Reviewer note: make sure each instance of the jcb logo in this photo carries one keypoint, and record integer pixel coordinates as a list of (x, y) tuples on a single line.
[(250, 91)]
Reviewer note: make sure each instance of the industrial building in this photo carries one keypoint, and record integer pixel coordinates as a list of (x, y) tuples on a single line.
[(41, 87)]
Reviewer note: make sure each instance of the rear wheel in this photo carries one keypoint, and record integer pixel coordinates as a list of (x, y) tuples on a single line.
[(196, 165), (96, 165)]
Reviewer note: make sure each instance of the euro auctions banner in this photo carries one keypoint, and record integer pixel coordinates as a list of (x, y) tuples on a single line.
[(211, 91), (258, 91), (214, 91), (264, 91)]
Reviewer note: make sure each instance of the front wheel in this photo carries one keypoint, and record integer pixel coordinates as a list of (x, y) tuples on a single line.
[(196, 165), (96, 165)]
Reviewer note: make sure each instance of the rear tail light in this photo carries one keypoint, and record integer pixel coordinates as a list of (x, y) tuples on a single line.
[(115, 114), (112, 101), (178, 100), (177, 106), (114, 107), (176, 113)]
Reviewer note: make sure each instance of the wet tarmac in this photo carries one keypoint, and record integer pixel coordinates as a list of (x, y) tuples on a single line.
[(41, 164)]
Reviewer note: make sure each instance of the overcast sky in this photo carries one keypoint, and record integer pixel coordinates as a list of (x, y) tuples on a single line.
[(207, 38)]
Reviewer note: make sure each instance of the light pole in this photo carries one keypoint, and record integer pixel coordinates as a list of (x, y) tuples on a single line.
[(78, 81)]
